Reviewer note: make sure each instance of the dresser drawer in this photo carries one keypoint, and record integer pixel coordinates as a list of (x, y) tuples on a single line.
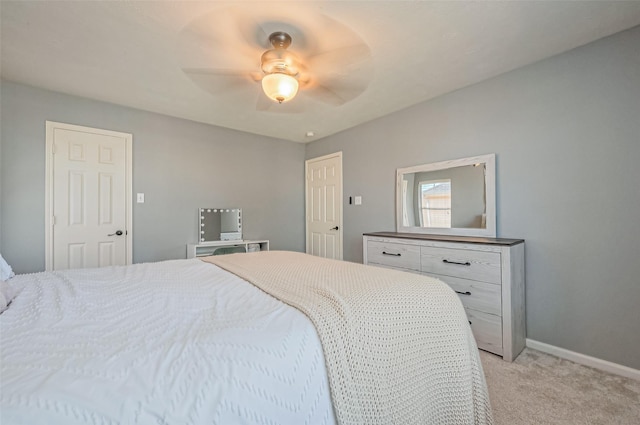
[(466, 264), (481, 296), (393, 254), (488, 274), (487, 329)]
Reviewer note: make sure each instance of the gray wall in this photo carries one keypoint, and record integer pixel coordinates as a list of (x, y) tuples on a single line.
[(179, 165), (566, 133)]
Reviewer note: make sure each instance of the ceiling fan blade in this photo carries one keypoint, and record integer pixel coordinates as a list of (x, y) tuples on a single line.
[(335, 89), (339, 59), (219, 81), (251, 30), (217, 38), (325, 95), (340, 75), (252, 75)]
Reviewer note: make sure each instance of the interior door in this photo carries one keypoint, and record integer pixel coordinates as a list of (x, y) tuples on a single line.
[(89, 193), (324, 206)]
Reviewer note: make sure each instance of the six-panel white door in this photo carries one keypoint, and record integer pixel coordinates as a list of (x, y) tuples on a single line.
[(324, 206), (89, 197)]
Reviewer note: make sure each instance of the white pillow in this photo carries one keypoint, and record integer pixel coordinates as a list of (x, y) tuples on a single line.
[(6, 295), (5, 270)]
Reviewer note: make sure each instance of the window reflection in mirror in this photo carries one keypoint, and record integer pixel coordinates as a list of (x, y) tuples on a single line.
[(435, 203), (454, 197)]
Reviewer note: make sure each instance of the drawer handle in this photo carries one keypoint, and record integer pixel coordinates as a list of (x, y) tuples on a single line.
[(391, 253), (455, 262), (463, 293)]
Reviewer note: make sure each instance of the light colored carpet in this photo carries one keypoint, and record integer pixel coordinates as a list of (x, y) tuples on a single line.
[(541, 389)]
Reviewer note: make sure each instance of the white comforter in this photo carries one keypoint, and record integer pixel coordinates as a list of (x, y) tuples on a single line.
[(176, 342)]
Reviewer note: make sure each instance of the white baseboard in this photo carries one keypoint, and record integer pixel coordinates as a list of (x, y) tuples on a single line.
[(616, 369)]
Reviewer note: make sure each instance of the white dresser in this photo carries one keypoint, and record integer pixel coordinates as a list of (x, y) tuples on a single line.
[(487, 274)]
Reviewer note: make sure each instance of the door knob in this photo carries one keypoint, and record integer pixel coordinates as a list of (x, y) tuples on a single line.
[(118, 233), (334, 228)]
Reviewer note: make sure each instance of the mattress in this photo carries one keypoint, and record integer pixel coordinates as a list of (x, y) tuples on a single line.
[(174, 342)]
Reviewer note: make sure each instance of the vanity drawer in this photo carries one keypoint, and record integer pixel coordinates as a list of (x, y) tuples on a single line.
[(487, 329), (467, 264), (395, 255), (481, 296)]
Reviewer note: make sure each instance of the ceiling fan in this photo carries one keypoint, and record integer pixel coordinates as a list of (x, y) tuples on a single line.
[(281, 68), (324, 62)]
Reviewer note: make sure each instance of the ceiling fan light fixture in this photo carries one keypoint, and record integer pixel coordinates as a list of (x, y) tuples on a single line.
[(279, 87)]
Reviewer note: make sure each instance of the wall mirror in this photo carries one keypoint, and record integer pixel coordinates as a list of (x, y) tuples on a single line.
[(220, 224), (456, 197)]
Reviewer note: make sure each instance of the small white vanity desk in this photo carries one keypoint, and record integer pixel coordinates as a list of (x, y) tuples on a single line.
[(210, 248), (220, 232), (446, 228)]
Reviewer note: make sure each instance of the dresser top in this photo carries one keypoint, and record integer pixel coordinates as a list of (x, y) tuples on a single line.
[(447, 238)]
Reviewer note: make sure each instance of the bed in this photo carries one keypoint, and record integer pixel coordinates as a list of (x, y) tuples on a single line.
[(259, 338)]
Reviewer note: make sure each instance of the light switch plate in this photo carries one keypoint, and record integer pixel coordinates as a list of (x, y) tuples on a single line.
[(141, 198), (358, 200)]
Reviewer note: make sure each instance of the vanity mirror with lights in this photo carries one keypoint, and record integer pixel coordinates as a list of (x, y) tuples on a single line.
[(446, 228), (220, 232), (220, 224)]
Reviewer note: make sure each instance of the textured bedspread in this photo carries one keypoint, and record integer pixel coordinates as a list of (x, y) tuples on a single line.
[(397, 346), (176, 342)]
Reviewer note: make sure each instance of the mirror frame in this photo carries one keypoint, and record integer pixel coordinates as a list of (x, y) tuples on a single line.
[(201, 224), (490, 188)]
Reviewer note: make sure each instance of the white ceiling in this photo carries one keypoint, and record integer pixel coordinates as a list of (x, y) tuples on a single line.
[(133, 53)]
